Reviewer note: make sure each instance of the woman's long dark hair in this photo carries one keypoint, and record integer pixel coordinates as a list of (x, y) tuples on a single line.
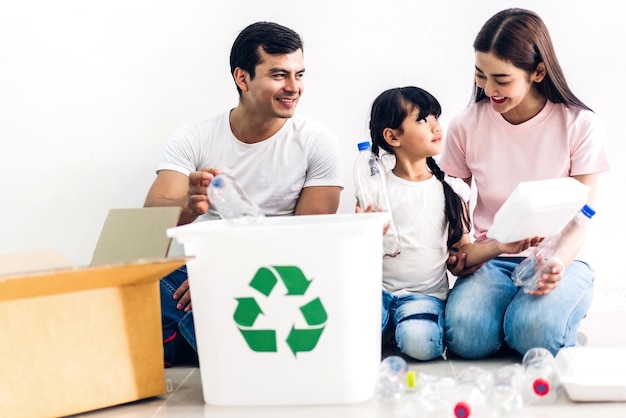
[(389, 110), (521, 37)]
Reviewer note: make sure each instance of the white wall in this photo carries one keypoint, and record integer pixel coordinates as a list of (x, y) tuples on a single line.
[(90, 90)]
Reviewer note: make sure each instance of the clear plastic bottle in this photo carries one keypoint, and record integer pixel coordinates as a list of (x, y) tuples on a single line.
[(231, 202), (434, 396), (505, 397), (391, 383), (552, 250), (370, 181), (470, 392), (541, 379)]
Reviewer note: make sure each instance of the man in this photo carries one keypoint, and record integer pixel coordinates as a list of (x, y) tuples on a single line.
[(286, 164)]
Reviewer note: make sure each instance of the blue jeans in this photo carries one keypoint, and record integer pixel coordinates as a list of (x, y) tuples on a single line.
[(416, 323), (179, 337), (486, 310)]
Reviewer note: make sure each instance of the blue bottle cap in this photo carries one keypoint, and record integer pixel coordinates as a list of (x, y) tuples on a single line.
[(218, 182), (588, 211), (364, 146)]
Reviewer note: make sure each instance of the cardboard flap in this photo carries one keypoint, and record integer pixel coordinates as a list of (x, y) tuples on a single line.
[(134, 234), (26, 261), (77, 279)]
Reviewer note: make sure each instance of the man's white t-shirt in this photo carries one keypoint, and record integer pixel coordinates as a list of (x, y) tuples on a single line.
[(272, 172)]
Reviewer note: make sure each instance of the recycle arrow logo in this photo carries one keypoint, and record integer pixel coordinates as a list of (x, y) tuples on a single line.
[(248, 310)]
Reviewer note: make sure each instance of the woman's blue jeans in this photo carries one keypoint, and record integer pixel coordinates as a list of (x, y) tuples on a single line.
[(179, 337), (416, 323), (486, 311)]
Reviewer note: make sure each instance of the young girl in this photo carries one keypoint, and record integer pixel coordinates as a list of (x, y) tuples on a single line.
[(429, 210), (525, 124)]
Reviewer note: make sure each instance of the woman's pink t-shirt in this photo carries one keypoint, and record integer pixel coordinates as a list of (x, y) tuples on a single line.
[(558, 142)]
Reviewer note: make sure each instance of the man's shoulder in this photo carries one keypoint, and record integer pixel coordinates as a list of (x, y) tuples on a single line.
[(303, 125), (215, 119), (202, 127)]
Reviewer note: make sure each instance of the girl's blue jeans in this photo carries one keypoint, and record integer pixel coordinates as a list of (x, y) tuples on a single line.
[(416, 323), (486, 311), (179, 337)]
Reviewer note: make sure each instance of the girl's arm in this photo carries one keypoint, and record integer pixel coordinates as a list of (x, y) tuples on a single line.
[(478, 253)]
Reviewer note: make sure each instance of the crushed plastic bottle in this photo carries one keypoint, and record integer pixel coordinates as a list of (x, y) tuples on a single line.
[(552, 250), (541, 380), (505, 397), (434, 396), (231, 202), (473, 393), (470, 392), (370, 181), (391, 383)]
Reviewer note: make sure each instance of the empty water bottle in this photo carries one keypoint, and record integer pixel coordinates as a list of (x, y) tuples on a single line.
[(505, 397), (370, 181), (541, 380), (231, 202), (435, 396), (391, 382), (470, 392), (552, 250)]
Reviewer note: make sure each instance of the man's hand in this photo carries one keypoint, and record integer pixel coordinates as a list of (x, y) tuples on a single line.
[(183, 296), (197, 200)]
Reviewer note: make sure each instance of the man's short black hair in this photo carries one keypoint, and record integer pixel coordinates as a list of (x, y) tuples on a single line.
[(275, 39)]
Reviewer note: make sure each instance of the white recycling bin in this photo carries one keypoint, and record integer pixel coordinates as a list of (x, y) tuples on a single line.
[(287, 312)]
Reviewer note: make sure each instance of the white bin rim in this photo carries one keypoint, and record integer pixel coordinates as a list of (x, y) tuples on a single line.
[(354, 220)]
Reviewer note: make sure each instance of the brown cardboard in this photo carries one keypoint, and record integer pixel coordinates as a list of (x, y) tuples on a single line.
[(74, 339), (26, 261), (143, 230)]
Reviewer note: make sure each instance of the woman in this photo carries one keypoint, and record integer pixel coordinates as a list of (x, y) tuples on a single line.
[(524, 124)]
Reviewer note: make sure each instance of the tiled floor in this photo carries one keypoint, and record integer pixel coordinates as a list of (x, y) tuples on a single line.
[(603, 328)]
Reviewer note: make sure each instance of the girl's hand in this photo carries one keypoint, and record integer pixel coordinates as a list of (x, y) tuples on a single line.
[(369, 209), (456, 265)]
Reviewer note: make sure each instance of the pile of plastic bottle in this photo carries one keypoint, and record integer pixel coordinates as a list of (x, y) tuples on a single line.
[(474, 392)]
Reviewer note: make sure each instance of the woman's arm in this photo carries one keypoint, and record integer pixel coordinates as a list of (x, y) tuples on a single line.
[(550, 280)]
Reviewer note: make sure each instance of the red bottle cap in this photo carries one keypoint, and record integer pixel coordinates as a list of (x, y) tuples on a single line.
[(462, 410), (541, 387)]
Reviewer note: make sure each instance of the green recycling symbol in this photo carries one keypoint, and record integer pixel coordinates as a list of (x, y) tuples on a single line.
[(248, 310)]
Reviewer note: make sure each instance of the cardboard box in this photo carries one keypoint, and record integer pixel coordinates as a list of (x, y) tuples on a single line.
[(76, 339)]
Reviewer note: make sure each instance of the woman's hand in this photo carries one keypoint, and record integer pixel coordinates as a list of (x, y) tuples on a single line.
[(552, 273)]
